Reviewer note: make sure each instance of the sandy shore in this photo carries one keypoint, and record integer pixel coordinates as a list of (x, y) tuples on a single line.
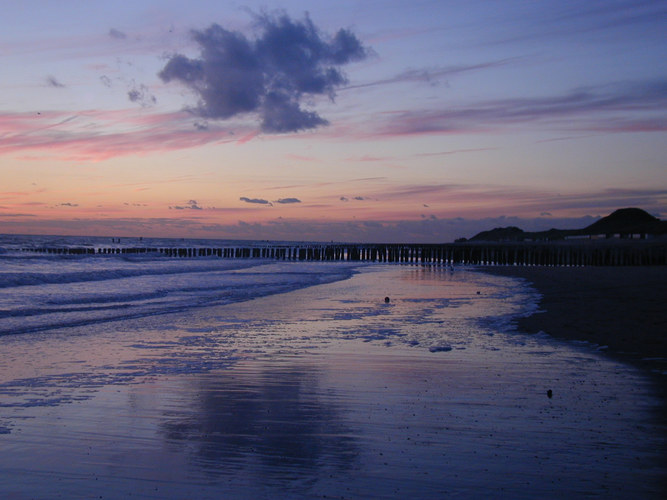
[(619, 307)]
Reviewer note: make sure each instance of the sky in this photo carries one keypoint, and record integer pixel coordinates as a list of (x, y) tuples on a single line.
[(360, 121)]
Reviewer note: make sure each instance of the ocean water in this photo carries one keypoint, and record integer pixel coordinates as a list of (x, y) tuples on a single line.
[(52, 298), (158, 377), (41, 291)]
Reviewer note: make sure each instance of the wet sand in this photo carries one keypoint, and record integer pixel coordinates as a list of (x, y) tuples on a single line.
[(327, 392), (623, 308)]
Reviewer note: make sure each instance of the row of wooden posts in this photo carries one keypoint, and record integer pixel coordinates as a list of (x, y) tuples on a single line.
[(546, 254)]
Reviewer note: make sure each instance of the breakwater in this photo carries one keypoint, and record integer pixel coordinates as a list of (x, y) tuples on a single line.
[(621, 253)]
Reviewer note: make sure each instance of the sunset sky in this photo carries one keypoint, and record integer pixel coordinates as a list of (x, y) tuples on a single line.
[(382, 121)]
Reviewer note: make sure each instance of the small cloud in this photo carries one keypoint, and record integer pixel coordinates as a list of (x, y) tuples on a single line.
[(425, 205), (545, 214), (68, 204), (354, 198), (140, 94), (257, 201), (288, 200), (190, 205), (51, 81), (106, 81), (118, 35)]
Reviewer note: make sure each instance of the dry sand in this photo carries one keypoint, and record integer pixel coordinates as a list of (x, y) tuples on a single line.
[(623, 308)]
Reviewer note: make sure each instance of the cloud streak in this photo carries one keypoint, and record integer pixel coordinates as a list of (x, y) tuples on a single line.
[(100, 135), (625, 107), (89, 135), (567, 19), (476, 200), (270, 75), (431, 76)]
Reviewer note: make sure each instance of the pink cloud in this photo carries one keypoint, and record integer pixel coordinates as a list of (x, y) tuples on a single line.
[(368, 158), (456, 151), (247, 137), (10, 195), (99, 135)]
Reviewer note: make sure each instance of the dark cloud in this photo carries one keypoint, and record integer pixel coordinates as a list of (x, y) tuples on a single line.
[(190, 205), (257, 201), (355, 198), (140, 94), (136, 92), (106, 81), (288, 200), (270, 75), (118, 35), (68, 204), (53, 82)]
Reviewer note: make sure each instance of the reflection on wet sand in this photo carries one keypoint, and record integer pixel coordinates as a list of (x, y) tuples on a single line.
[(275, 422), (384, 424)]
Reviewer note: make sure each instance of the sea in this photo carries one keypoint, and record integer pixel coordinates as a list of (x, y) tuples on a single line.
[(42, 291), (155, 376)]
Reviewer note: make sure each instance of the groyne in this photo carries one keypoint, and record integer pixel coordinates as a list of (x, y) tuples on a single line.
[(621, 253)]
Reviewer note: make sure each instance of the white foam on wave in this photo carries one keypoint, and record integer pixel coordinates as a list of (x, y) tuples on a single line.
[(65, 291)]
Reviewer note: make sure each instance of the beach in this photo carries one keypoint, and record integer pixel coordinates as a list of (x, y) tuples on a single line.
[(620, 308), (328, 391)]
